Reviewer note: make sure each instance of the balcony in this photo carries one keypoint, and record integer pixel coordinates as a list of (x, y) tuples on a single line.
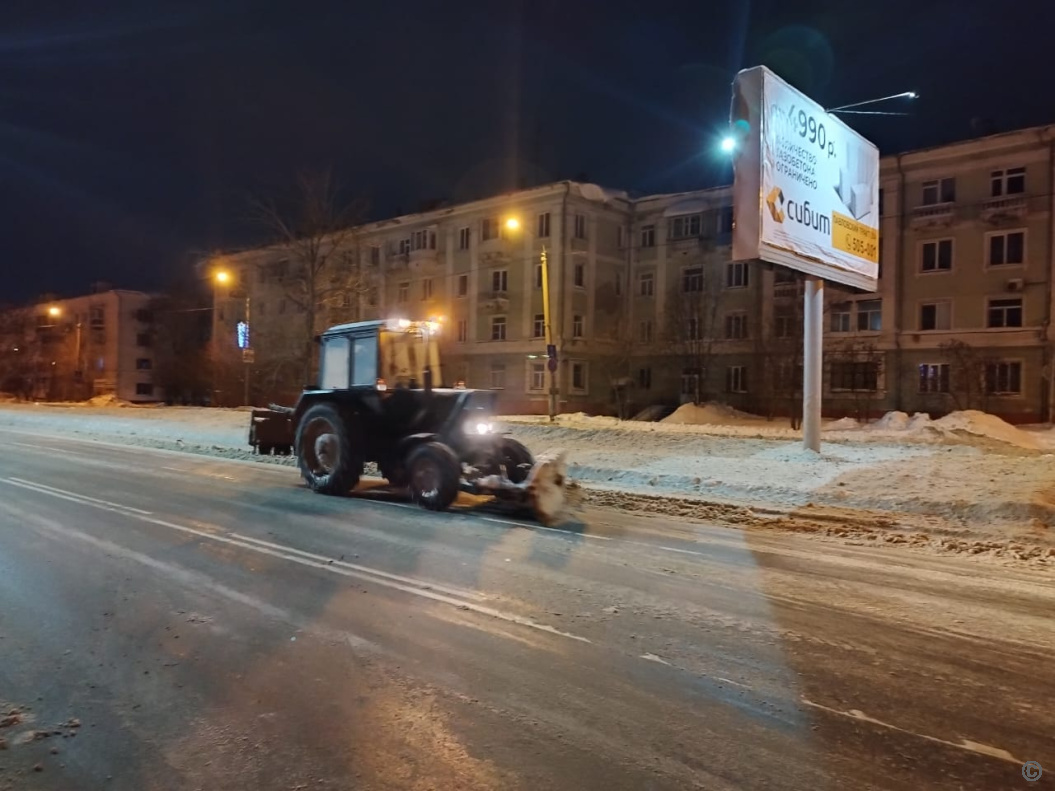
[(935, 215), (1005, 208), (422, 259), (494, 301)]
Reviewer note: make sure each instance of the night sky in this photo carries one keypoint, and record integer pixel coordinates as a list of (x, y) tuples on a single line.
[(133, 132)]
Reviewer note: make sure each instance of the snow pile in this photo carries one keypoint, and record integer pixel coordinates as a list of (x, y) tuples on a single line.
[(971, 424), (843, 424), (105, 400), (710, 414)]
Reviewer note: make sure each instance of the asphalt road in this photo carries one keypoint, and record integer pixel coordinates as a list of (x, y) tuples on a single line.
[(170, 621)]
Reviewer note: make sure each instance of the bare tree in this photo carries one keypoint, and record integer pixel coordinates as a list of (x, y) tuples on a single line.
[(856, 368), (779, 354), (16, 354), (967, 374), (319, 234), (694, 326)]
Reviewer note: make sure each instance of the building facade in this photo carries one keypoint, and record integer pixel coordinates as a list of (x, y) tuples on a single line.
[(74, 349), (648, 308)]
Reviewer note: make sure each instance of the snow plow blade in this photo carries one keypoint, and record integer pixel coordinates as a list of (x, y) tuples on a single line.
[(543, 492)]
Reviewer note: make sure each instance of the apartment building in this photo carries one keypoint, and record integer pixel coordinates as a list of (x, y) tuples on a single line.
[(76, 348), (649, 308)]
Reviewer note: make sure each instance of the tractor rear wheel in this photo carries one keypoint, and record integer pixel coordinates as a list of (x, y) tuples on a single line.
[(329, 453), (433, 474)]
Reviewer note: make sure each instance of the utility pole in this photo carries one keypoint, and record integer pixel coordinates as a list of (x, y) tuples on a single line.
[(551, 349)]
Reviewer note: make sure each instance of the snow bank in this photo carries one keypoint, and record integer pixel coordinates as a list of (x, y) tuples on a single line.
[(973, 424), (843, 424), (710, 414), (107, 400)]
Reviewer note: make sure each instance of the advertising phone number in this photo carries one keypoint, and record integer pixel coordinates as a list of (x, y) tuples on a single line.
[(855, 238)]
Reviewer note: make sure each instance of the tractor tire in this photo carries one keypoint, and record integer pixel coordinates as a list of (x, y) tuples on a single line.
[(515, 459), (434, 475), (264, 450), (395, 472), (329, 453)]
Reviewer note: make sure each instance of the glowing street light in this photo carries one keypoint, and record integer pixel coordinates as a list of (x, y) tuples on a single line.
[(728, 144), (54, 311), (222, 277), (512, 224)]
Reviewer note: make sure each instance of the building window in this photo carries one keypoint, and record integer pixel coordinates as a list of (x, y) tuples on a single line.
[(644, 332), (576, 326), (1007, 248), (144, 364), (644, 378), (404, 246), (144, 315), (144, 339), (488, 229), (463, 285), (426, 289), (855, 376), (736, 379), (840, 321), (500, 281), (936, 256), (934, 378), (423, 240), (870, 315), (465, 236), (620, 237), (692, 280), (736, 274), (579, 275), (783, 326), (498, 376), (144, 389), (578, 377), (1004, 313), (375, 255), (783, 276), (939, 191), (538, 376), (538, 275), (935, 315), (539, 326), (1004, 378), (686, 227), (690, 382), (543, 225), (1008, 182), (404, 292), (694, 329), (736, 326), (580, 226), (646, 284), (463, 330), (648, 235), (498, 328)]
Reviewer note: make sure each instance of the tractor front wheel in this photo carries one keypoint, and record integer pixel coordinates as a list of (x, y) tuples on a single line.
[(434, 474), (328, 453)]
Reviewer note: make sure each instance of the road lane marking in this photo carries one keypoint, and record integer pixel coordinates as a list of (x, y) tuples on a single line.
[(966, 744), (417, 588)]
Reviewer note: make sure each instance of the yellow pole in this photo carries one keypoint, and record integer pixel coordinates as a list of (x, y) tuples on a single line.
[(549, 335)]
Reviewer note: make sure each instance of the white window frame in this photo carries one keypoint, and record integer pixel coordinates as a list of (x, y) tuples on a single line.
[(1004, 234), (578, 325), (685, 279), (538, 276), (497, 374), (999, 181), (644, 331), (648, 236), (542, 225), (847, 313), (737, 274), (500, 281), (580, 226), (936, 303), (858, 313), (463, 331), (465, 237), (462, 286), (736, 326), (650, 279), (579, 275), (538, 325), (736, 378), (925, 384), (427, 289), (1006, 393), (499, 322), (938, 186), (403, 291), (937, 256), (685, 226), (536, 377), (1021, 309)]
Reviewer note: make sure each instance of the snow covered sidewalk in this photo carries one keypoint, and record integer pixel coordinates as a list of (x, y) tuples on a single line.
[(967, 477)]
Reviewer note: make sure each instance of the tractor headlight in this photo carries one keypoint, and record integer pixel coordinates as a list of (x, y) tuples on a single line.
[(483, 428)]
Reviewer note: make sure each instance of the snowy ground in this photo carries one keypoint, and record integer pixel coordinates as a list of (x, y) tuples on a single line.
[(966, 483)]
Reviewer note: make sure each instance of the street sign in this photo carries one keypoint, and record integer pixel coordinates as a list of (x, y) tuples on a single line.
[(243, 335), (248, 356), (551, 364)]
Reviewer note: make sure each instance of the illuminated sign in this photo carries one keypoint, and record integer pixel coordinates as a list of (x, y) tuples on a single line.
[(243, 335)]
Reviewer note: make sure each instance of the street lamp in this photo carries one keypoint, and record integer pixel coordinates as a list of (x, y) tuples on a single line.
[(222, 277), (54, 311), (513, 224)]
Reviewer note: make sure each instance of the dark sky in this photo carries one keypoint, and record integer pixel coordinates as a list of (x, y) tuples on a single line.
[(132, 132)]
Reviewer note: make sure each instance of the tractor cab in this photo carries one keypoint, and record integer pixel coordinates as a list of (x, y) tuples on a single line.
[(380, 355)]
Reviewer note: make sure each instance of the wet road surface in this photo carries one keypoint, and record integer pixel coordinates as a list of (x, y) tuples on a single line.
[(169, 621)]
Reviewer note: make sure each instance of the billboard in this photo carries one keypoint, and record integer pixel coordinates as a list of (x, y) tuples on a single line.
[(806, 186)]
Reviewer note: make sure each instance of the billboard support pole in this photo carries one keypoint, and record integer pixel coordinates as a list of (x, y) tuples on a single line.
[(812, 363)]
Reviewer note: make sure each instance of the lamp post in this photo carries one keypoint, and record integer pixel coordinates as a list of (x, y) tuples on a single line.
[(222, 278), (513, 224)]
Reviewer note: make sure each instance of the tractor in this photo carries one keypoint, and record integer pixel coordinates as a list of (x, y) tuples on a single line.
[(375, 401)]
